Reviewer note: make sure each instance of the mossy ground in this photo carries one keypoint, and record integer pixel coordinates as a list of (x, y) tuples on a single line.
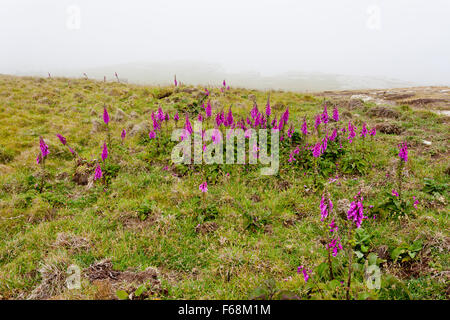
[(148, 213)]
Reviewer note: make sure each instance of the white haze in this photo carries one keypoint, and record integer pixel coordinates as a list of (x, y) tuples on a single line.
[(406, 40)]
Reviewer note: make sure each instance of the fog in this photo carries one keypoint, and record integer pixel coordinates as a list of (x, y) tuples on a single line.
[(404, 40)]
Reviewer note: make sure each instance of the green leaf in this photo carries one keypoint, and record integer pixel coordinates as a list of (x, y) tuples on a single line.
[(372, 258), (405, 259), (122, 295), (333, 284), (139, 290), (396, 253), (359, 254), (416, 246)]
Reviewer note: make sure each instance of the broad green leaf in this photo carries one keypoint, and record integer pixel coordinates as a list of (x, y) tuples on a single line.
[(396, 253), (122, 295), (372, 258), (139, 290), (416, 246)]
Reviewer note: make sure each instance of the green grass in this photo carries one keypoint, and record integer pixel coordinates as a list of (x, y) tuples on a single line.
[(147, 216)]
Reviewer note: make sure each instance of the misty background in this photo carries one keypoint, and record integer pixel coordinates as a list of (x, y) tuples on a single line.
[(287, 44)]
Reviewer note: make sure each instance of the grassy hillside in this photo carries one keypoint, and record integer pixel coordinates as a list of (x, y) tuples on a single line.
[(145, 222)]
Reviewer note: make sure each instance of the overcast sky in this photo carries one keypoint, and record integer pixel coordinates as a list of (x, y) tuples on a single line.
[(403, 39)]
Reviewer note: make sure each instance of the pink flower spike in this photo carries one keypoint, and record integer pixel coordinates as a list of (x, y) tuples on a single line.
[(203, 187), (62, 139), (104, 152), (403, 153), (105, 115), (98, 173), (44, 148)]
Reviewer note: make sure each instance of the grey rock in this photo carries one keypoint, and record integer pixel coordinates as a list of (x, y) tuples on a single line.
[(342, 207), (120, 115), (96, 126), (134, 115), (139, 128)]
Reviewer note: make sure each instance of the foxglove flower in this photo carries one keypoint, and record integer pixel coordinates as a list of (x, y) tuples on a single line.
[(152, 134), (333, 135), (176, 117), (290, 131), (62, 139), (303, 270), (324, 117), (335, 114), (44, 148), (216, 136), (274, 123), (316, 150), (188, 126), (373, 132), (105, 115), (203, 187), (254, 112), (317, 122), (323, 146), (403, 153), (325, 207), (175, 81), (333, 226), (220, 118), (281, 123), (286, 115), (336, 245), (416, 202), (364, 130), (161, 116), (104, 152), (229, 120), (356, 212), (156, 125), (123, 134), (208, 109), (395, 193), (98, 173), (291, 157), (351, 132), (304, 127), (268, 108), (224, 83)]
